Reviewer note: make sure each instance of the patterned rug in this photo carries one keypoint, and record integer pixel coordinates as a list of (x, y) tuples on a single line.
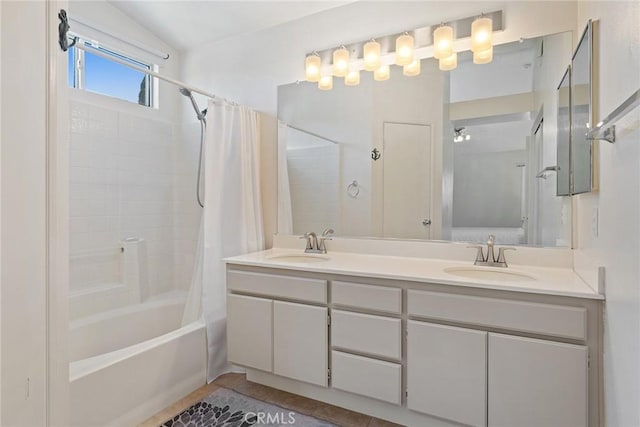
[(226, 408)]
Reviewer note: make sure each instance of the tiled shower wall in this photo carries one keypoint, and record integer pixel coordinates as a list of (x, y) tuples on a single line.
[(125, 183)]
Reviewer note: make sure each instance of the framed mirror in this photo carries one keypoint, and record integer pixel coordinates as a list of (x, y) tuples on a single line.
[(564, 135), (451, 156), (582, 114)]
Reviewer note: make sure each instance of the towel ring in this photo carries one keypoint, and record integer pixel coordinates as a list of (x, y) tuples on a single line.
[(353, 189)]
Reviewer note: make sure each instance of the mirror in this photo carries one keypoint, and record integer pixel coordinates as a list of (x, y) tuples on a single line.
[(582, 113), (564, 135), (448, 156)]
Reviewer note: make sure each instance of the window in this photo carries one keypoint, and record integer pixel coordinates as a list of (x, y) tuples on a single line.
[(94, 73)]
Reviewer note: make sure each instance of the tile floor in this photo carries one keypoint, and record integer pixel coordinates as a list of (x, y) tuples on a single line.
[(239, 383)]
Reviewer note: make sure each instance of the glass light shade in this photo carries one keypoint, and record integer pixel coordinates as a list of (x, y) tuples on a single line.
[(449, 63), (325, 82), (382, 73), (352, 79), (372, 56), (412, 69), (312, 68), (443, 42), (481, 34), (483, 57), (340, 62), (404, 50)]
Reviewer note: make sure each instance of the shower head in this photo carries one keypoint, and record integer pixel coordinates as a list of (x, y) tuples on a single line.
[(199, 114)]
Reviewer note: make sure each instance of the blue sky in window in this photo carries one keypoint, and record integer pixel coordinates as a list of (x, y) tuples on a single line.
[(108, 77)]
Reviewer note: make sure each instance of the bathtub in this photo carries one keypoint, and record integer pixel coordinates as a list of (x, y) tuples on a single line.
[(129, 363)]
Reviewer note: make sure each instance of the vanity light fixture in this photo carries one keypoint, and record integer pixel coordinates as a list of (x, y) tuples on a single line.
[(353, 78), (412, 69), (371, 55), (449, 63), (443, 42), (404, 49), (460, 134), (481, 34), (312, 64), (325, 82), (382, 73), (340, 62), (483, 57)]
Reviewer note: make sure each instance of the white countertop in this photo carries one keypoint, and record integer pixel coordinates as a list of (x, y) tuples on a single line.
[(548, 281)]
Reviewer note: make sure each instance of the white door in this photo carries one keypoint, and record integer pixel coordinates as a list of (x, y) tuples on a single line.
[(249, 332), (406, 160), (536, 383), (300, 342), (446, 372)]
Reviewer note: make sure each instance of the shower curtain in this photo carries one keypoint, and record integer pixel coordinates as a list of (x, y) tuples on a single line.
[(232, 216)]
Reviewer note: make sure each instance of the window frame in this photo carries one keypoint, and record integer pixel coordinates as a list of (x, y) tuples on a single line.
[(79, 71)]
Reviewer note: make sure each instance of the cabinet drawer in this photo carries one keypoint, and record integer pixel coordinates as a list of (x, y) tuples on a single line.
[(375, 335), (380, 298), (368, 377), (296, 288), (546, 319)]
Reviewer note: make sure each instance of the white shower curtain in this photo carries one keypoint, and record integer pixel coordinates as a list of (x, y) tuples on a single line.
[(232, 218)]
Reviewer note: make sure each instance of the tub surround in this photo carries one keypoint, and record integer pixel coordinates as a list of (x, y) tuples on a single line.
[(400, 338)]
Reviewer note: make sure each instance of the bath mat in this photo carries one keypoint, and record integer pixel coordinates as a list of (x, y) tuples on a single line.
[(226, 408)]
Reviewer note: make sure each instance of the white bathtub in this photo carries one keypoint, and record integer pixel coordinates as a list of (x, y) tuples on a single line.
[(129, 363)]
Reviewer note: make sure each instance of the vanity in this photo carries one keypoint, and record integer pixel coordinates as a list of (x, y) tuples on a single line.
[(421, 340)]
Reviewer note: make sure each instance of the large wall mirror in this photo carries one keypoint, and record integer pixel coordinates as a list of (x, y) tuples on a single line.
[(450, 156)]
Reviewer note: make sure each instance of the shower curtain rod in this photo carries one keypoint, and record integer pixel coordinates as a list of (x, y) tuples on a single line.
[(96, 51), (312, 134)]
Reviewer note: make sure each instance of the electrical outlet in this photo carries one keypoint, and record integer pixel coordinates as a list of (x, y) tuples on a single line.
[(594, 222)]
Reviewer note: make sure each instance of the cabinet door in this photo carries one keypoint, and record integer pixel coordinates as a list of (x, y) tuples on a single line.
[(249, 332), (446, 372), (536, 383), (300, 342)]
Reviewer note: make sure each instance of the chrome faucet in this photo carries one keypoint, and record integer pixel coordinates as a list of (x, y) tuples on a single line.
[(490, 260), (315, 244)]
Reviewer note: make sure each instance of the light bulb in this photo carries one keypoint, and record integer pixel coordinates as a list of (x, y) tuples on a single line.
[(352, 79), (468, 137), (404, 49), (371, 55), (481, 34), (312, 68), (412, 69), (443, 42), (483, 57), (325, 82), (382, 73), (449, 63), (340, 62)]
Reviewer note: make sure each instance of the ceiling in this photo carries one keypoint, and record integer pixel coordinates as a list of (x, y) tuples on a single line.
[(185, 23)]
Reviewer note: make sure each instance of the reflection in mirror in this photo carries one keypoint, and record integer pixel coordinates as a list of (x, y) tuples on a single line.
[(581, 113), (564, 134), (444, 155)]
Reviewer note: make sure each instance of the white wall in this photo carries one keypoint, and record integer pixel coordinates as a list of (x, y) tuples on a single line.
[(617, 245), (24, 211)]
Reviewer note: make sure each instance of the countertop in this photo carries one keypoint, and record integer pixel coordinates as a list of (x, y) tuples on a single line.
[(547, 281)]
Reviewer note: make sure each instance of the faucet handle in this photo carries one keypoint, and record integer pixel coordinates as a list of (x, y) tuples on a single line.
[(327, 232), (501, 257), (479, 255)]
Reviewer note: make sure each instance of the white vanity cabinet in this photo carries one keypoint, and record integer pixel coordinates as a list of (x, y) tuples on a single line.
[(419, 353)]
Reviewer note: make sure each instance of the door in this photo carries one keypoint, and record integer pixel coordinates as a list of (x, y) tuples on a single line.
[(300, 342), (406, 180), (446, 372), (249, 331), (536, 383)]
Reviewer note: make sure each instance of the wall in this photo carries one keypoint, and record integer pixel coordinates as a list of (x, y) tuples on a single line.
[(24, 214), (617, 243)]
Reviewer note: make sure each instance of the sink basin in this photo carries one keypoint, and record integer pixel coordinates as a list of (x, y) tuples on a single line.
[(490, 273), (298, 258)]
